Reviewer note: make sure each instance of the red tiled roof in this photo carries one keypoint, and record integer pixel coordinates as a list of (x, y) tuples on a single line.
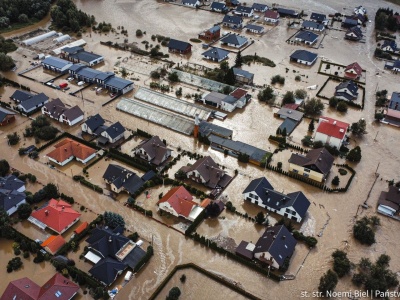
[(180, 200), (292, 106), (81, 227), (53, 243), (68, 148), (205, 202), (23, 288), (332, 127), (59, 285), (238, 93), (357, 69), (57, 215), (272, 14)]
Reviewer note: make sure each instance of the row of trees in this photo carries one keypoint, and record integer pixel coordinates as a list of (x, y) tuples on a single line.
[(22, 11), (386, 19), (42, 129)]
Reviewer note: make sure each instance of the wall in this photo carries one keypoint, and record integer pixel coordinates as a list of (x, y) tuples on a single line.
[(312, 174)]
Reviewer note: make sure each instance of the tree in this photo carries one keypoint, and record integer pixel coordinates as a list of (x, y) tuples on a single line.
[(230, 77), (311, 126), (13, 138), (23, 18), (124, 72), (224, 66), (239, 60), (333, 102), (267, 95), (363, 232), (113, 220), (139, 33), (173, 77), (328, 282), (4, 167), (6, 62), (300, 94), (380, 21), (342, 107), (335, 180), (313, 107), (260, 218), (354, 154), (318, 144), (358, 128), (307, 141), (51, 191), (174, 294), (24, 211), (278, 79), (288, 98), (341, 264)]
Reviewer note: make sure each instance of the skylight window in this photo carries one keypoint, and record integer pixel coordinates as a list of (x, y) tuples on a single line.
[(58, 294)]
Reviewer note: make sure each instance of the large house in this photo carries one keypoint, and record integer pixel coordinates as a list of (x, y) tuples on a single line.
[(234, 40), (293, 206), (94, 125), (331, 132), (6, 116), (27, 102), (57, 215), (244, 11), (219, 7), (57, 110), (314, 26), (234, 22), (68, 149), (79, 55), (389, 46), (111, 253), (271, 17), (178, 202), (11, 193), (353, 71), (243, 76), (153, 150), (236, 99), (121, 179), (346, 91), (306, 37), (211, 34), (389, 202), (304, 57), (354, 33), (316, 164), (57, 287), (112, 134), (56, 64), (215, 54), (180, 47)]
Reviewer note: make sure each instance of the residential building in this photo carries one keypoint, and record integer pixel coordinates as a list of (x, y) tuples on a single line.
[(259, 7), (304, 57), (316, 164), (56, 64), (244, 11), (206, 129), (389, 202), (12, 183), (20, 96), (241, 96), (112, 134), (57, 215), (347, 91), (243, 76), (57, 110), (180, 47), (153, 150), (53, 243), (207, 172), (314, 26), (234, 22), (291, 117), (319, 18), (219, 7), (213, 98), (211, 34), (394, 101), (118, 85), (6, 116), (68, 149), (360, 10), (272, 17), (349, 23), (27, 102), (306, 37), (255, 28), (275, 246), (353, 71), (234, 40), (290, 13), (11, 194), (79, 55), (389, 46), (293, 206), (93, 125), (191, 3), (215, 54), (178, 202), (330, 131), (354, 33), (57, 287)]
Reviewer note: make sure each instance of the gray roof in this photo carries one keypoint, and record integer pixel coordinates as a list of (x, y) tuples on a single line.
[(76, 67), (215, 97), (94, 122), (318, 160), (288, 12), (216, 53), (243, 73), (21, 96), (243, 251), (121, 177), (88, 73), (244, 9), (11, 182), (395, 101), (318, 17), (390, 43), (104, 75), (307, 36), (255, 27), (72, 49), (35, 100), (155, 148), (4, 113), (218, 6), (10, 198), (356, 30), (236, 20), (304, 55), (178, 45), (312, 24), (349, 84), (118, 82), (85, 56), (234, 39), (290, 113), (214, 28), (259, 7), (258, 185), (106, 270), (56, 62), (206, 129), (115, 130), (230, 99), (55, 108), (350, 21), (289, 125), (73, 113)]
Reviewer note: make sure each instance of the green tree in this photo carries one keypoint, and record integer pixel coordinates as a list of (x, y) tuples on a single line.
[(51, 191), (267, 95), (260, 218), (288, 98), (124, 73), (4, 167), (328, 282), (23, 18), (354, 154), (311, 126), (13, 138), (174, 294), (342, 107), (318, 144), (313, 107), (113, 220), (6, 62), (335, 180), (173, 77), (224, 66), (341, 264), (307, 141), (359, 127), (139, 33), (24, 211), (239, 60), (230, 77), (363, 231), (300, 94), (380, 21), (333, 102)]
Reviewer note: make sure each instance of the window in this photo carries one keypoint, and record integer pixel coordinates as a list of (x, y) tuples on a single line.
[(307, 170), (255, 197), (295, 171), (306, 175)]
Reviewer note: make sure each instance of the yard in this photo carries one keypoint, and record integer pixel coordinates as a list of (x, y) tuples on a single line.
[(329, 68)]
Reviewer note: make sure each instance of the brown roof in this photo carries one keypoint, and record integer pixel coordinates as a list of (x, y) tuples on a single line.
[(68, 148), (180, 200), (393, 194), (73, 113), (320, 157), (354, 66), (272, 14), (155, 148), (55, 108), (238, 93), (23, 288), (242, 250), (383, 201)]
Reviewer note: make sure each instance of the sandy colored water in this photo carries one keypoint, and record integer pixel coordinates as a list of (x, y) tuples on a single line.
[(253, 125)]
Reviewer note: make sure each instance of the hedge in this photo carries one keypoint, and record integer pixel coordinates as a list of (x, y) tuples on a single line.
[(95, 161), (192, 227), (143, 133), (145, 259), (68, 135), (130, 160), (83, 181)]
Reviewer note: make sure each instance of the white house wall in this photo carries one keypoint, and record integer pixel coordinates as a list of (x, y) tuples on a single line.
[(63, 163), (13, 209)]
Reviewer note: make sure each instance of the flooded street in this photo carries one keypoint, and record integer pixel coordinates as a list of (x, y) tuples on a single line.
[(253, 125)]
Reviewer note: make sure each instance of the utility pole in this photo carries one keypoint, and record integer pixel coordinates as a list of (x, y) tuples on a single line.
[(376, 171), (376, 136)]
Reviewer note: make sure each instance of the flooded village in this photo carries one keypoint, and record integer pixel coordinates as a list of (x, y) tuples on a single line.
[(202, 150)]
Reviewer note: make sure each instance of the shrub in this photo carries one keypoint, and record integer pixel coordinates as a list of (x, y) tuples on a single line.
[(297, 78), (335, 180), (139, 33), (354, 154), (363, 231), (328, 283), (342, 171), (341, 264), (278, 79), (333, 102), (342, 107)]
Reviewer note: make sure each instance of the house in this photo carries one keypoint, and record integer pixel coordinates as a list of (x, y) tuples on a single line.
[(213, 98), (111, 253), (11, 182), (117, 85), (57, 215), (389, 202), (192, 3), (313, 26), (347, 91), (394, 101), (304, 57), (176, 46), (283, 12), (94, 125), (207, 172), (79, 55), (31, 103), (360, 10), (291, 117), (112, 134), (57, 287), (275, 246), (354, 33), (244, 11), (389, 46), (121, 179), (361, 19), (293, 206), (153, 150), (20, 96), (178, 202), (353, 71), (242, 98), (213, 208), (233, 2), (272, 17), (349, 23), (234, 40), (219, 7), (58, 111), (306, 37), (259, 7), (68, 149), (206, 129), (56, 64), (316, 164), (255, 28), (53, 244), (211, 34), (215, 54), (6, 116), (11, 194), (243, 76), (330, 131), (234, 22), (319, 18)]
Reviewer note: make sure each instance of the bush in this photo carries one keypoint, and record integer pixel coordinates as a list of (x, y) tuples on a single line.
[(342, 171), (313, 107), (354, 154), (341, 264), (342, 107), (333, 102), (335, 180), (363, 231), (113, 220), (288, 98), (183, 278), (24, 211), (139, 33), (13, 139), (173, 77), (307, 141), (328, 283), (301, 94), (297, 78), (174, 294), (278, 79)]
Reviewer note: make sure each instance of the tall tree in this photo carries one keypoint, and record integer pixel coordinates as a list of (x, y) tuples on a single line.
[(230, 77), (311, 126), (328, 282), (239, 60)]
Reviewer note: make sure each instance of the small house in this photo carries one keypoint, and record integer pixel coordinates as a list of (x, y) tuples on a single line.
[(153, 150), (68, 149), (219, 7), (306, 37), (112, 134), (215, 54), (259, 7), (319, 18), (6, 116), (53, 244), (244, 11), (290, 13), (389, 46), (346, 91), (191, 3), (272, 17), (254, 28), (234, 40), (349, 23), (389, 202), (180, 47), (243, 76), (330, 131), (94, 125), (354, 34), (353, 71), (313, 26), (211, 34), (234, 22), (304, 57)]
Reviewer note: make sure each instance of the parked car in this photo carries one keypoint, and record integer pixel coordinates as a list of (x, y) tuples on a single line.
[(67, 88), (80, 83), (29, 149), (112, 95)]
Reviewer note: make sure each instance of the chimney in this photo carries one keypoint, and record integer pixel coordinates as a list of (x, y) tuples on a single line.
[(63, 207), (46, 212), (334, 122), (65, 149), (283, 237), (109, 239)]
